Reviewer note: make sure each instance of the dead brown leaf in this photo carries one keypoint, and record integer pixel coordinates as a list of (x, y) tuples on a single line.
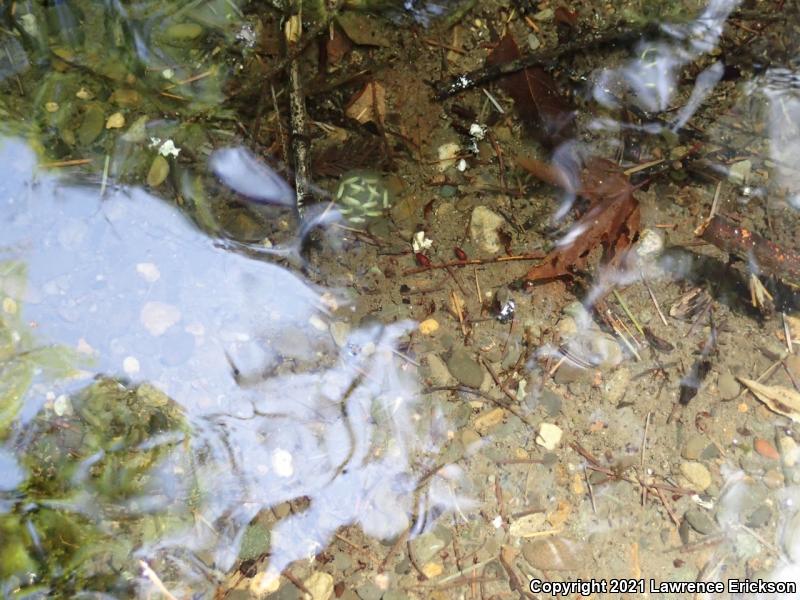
[(611, 222), (545, 112), (368, 104), (337, 45), (781, 400)]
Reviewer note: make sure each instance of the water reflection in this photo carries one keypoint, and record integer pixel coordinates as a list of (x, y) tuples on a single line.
[(240, 351)]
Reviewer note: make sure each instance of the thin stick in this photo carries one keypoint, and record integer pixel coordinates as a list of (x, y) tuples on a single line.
[(655, 302), (628, 312), (476, 261), (643, 166), (297, 104), (641, 462), (591, 490), (105, 179), (787, 332), (67, 163), (155, 580), (297, 583), (715, 203), (671, 514)]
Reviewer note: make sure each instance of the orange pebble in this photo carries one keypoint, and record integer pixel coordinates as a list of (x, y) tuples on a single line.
[(765, 449)]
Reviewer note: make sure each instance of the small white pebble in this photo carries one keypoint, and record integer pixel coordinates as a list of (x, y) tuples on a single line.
[(317, 323), (62, 405), (282, 462), (148, 271), (130, 365), (497, 522)]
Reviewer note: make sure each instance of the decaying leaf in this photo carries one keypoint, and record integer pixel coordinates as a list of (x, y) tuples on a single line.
[(692, 304), (546, 113), (611, 222), (337, 45), (781, 400), (364, 29), (368, 104)]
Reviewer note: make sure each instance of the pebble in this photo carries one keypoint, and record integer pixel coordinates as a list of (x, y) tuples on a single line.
[(765, 449), (568, 373), (489, 419), (791, 538), (789, 450), (694, 447), (759, 517), (448, 154), (773, 479), (126, 97), (424, 547), (157, 317), (551, 402), (320, 585), (728, 387), (696, 474), (527, 526), (339, 332), (369, 591), (428, 326), (483, 228), (793, 364), (115, 121), (556, 554), (739, 172), (92, 124), (159, 170), (465, 369), (432, 569), (700, 521), (549, 436), (470, 437), (437, 371)]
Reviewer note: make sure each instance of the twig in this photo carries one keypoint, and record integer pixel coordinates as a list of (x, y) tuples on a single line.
[(476, 261), (546, 58), (499, 383), (671, 514), (155, 580), (591, 489), (66, 163), (655, 302), (297, 104), (641, 462), (297, 583), (628, 312)]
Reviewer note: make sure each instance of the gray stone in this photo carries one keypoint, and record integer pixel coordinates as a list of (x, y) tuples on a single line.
[(759, 517), (569, 373), (426, 546), (437, 370), (551, 402), (369, 591), (342, 561), (339, 332), (465, 368), (694, 447), (700, 521), (728, 387)]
